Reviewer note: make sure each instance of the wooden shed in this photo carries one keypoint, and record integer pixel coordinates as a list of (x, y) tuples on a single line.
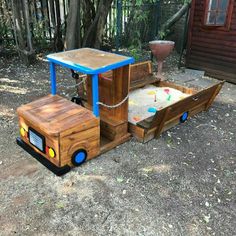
[(212, 38)]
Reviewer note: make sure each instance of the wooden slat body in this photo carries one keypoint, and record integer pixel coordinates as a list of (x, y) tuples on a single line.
[(113, 88), (67, 127), (51, 141), (140, 70), (211, 48)]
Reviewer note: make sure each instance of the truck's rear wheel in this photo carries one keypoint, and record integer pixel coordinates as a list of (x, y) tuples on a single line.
[(79, 157), (184, 117)]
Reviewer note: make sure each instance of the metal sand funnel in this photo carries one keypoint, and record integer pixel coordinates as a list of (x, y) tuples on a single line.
[(161, 50)]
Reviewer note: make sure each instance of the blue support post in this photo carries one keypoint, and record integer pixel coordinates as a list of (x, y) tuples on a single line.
[(53, 78), (95, 92)]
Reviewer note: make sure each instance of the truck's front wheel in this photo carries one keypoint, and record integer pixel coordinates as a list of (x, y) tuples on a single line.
[(79, 157)]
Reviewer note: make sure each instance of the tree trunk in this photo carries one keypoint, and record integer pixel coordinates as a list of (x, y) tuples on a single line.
[(93, 36), (27, 25), (88, 14), (18, 31), (52, 13), (58, 44), (73, 37), (21, 27), (175, 18)]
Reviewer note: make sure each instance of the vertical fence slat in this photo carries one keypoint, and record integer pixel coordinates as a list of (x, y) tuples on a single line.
[(119, 24), (48, 21)]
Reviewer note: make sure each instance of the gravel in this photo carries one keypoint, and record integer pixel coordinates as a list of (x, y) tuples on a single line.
[(183, 183)]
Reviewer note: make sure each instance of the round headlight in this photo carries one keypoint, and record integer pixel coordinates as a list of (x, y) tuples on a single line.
[(22, 131), (51, 153)]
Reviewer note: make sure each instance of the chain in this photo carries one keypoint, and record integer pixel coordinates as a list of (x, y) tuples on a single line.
[(113, 106), (98, 103)]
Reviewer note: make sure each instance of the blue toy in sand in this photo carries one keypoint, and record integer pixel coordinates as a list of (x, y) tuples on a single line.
[(152, 109)]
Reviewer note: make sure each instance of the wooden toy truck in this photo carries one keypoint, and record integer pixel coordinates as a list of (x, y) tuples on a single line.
[(61, 134)]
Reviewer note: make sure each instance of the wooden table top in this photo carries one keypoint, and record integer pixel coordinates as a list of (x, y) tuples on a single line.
[(89, 60)]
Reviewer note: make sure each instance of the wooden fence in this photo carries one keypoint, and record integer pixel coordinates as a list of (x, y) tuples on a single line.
[(125, 22)]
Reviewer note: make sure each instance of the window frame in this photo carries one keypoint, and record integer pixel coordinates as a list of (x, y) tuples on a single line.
[(229, 13)]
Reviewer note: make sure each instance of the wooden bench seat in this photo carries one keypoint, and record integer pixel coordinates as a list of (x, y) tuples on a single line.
[(141, 75)]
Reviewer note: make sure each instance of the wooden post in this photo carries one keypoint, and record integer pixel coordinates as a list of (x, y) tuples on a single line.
[(160, 127), (53, 78), (217, 90), (95, 93)]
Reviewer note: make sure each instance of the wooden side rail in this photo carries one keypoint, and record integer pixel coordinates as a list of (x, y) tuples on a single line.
[(198, 101)]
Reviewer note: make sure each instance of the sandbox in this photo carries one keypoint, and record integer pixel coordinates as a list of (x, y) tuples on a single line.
[(145, 102), (155, 106)]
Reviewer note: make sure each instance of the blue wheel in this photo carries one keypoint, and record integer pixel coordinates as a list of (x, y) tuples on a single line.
[(184, 117), (79, 157)]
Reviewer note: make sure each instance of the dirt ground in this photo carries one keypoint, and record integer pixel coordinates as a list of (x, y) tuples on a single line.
[(183, 183)]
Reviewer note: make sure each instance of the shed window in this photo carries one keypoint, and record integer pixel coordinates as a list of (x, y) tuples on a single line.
[(218, 12)]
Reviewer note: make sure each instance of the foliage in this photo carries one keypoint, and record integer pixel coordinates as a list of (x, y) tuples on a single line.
[(139, 24), (39, 33), (135, 52)]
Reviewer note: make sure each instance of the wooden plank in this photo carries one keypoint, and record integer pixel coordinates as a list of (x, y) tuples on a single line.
[(150, 134), (149, 79), (88, 139), (112, 144), (178, 87), (121, 78), (215, 56), (89, 58), (38, 103), (75, 126), (226, 67), (141, 75), (187, 103), (217, 90), (223, 52), (112, 92), (161, 125), (53, 116), (113, 132), (140, 70), (146, 123), (137, 132)]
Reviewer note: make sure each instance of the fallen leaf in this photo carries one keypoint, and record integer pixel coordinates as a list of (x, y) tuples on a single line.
[(40, 202), (148, 169), (119, 179), (60, 205), (206, 218)]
